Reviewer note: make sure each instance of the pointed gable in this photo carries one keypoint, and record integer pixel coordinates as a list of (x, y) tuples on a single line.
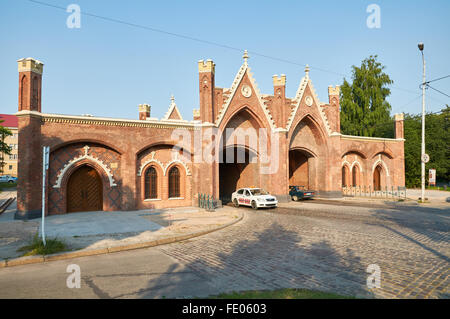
[(309, 99), (173, 113), (244, 85)]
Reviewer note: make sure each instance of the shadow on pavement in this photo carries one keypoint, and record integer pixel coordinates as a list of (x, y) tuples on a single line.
[(275, 258)]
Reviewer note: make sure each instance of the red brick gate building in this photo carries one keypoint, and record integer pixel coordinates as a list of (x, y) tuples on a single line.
[(110, 164)]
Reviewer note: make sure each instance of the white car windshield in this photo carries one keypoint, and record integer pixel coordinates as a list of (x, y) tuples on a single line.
[(258, 191)]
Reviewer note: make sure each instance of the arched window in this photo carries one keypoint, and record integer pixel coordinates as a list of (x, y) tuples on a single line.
[(355, 176), (345, 176), (23, 92), (35, 98), (174, 182), (151, 183)]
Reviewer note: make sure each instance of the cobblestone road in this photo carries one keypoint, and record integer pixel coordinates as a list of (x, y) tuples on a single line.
[(307, 245), (327, 248)]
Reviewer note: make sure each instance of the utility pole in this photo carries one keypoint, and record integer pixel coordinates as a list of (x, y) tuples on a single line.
[(424, 157), (45, 158)]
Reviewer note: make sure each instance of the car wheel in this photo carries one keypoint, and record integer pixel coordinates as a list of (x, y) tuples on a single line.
[(235, 203), (295, 198), (254, 206), (10, 182)]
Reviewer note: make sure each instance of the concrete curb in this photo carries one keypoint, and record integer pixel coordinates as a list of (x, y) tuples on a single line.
[(101, 251)]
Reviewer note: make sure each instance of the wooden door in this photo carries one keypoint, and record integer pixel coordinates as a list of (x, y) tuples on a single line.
[(84, 191)]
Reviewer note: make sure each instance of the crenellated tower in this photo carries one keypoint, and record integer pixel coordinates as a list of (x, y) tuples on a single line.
[(206, 86), (29, 187), (30, 83)]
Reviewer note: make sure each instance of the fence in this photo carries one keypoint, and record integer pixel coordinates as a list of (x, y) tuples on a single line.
[(398, 192), (207, 202)]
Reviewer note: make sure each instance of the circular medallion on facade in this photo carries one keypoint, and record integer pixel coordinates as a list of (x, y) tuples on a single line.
[(246, 91), (309, 101)]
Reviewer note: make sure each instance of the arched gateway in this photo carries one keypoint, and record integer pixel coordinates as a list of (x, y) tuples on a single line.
[(103, 163)]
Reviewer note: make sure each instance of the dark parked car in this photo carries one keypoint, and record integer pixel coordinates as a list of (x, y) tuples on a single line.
[(300, 192)]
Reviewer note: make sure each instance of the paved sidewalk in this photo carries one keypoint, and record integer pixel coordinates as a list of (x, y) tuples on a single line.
[(14, 233), (106, 230), (434, 196)]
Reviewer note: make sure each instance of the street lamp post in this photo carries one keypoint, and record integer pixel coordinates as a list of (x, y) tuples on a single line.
[(423, 156)]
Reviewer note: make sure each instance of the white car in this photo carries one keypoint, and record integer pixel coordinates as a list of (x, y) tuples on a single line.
[(254, 197)]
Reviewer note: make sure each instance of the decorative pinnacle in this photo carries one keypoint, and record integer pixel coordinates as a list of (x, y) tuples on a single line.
[(172, 99), (307, 69), (245, 56)]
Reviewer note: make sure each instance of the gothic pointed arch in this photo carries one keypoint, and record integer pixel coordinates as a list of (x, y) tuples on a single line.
[(307, 130)]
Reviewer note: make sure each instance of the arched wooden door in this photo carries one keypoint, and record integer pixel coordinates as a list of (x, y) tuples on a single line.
[(377, 178), (84, 191)]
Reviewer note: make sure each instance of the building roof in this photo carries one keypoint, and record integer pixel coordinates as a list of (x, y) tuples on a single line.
[(9, 120)]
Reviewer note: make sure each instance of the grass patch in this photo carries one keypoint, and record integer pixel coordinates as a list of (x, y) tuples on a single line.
[(37, 247), (288, 293), (439, 188), (7, 185)]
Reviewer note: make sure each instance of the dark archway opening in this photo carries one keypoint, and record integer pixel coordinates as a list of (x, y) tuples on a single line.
[(237, 171), (84, 190)]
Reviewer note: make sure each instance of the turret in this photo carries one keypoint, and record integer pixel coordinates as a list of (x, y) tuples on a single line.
[(206, 86), (30, 83), (399, 125), (144, 111)]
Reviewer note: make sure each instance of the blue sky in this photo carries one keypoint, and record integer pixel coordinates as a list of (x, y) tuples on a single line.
[(107, 69)]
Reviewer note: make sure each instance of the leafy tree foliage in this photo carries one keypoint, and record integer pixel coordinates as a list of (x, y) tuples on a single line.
[(4, 148), (363, 102), (437, 141)]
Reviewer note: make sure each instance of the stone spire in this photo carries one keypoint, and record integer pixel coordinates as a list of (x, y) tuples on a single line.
[(245, 56)]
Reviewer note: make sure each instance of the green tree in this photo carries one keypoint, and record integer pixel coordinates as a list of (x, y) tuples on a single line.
[(363, 102), (4, 148), (437, 141), (413, 140)]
